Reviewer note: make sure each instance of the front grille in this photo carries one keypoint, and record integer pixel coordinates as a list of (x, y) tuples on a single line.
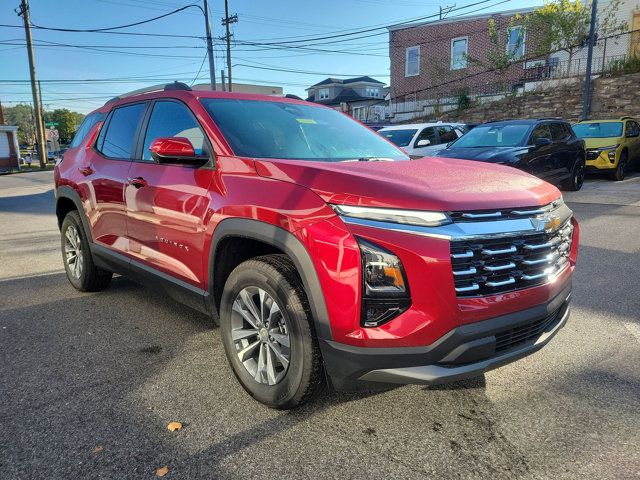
[(517, 336), (496, 265)]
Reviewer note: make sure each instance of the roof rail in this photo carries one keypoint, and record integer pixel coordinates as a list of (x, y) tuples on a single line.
[(155, 88), (625, 117)]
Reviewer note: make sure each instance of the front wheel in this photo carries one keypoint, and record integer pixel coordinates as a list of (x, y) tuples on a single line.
[(78, 261), (268, 332), (621, 170), (577, 176)]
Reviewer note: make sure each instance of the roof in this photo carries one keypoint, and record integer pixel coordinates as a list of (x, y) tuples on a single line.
[(457, 19), (340, 81), (185, 94), (346, 95), (405, 126), (608, 120)]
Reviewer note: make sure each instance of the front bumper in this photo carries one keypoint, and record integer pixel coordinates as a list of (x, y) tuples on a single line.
[(601, 163), (464, 352)]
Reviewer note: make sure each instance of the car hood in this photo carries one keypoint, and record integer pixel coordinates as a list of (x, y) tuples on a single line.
[(440, 184), (601, 142), (483, 154)]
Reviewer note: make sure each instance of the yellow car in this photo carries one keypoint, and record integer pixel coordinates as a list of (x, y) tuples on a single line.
[(612, 145)]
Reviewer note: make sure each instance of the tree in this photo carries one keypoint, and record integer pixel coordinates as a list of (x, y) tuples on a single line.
[(565, 24), (22, 116), (67, 121)]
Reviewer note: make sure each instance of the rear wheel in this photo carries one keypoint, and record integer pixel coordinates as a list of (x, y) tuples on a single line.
[(621, 170), (78, 261), (268, 333), (577, 176)]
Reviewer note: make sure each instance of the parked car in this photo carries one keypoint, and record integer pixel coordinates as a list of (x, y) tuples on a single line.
[(546, 148), (423, 139), (613, 146), (320, 249)]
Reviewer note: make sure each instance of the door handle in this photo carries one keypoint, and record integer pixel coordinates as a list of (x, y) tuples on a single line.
[(137, 182), (86, 171)]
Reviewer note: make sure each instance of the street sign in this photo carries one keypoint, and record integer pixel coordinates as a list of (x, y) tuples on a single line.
[(51, 124)]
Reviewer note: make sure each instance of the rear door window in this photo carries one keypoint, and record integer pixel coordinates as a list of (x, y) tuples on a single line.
[(541, 131), (447, 134), (86, 125), (173, 119), (558, 132), (428, 133), (118, 139)]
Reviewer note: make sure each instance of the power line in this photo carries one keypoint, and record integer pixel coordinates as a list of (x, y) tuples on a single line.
[(119, 27)]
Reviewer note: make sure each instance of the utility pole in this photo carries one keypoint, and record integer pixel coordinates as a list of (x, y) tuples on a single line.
[(226, 21), (586, 94), (212, 66), (222, 80), (23, 10)]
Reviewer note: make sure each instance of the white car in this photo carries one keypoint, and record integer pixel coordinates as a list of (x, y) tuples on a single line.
[(423, 139)]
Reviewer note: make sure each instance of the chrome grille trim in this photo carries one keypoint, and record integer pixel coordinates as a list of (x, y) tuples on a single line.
[(512, 263)]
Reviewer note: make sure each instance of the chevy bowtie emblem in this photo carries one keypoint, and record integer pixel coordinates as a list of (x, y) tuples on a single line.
[(546, 223)]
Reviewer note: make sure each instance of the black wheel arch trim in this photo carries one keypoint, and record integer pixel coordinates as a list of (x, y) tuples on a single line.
[(65, 191), (290, 245)]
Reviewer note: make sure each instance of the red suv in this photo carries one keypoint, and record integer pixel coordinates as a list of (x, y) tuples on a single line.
[(323, 251)]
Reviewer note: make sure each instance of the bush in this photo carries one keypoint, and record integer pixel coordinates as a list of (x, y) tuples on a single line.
[(623, 66)]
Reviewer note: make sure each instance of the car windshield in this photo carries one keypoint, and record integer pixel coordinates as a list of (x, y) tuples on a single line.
[(598, 130), (263, 129), (493, 136), (401, 138)]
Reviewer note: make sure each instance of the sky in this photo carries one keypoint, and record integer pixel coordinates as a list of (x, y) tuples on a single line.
[(98, 66)]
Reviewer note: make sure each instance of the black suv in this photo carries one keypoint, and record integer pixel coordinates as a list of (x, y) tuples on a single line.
[(546, 148)]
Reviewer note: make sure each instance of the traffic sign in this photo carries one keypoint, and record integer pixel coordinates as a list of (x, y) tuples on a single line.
[(51, 124)]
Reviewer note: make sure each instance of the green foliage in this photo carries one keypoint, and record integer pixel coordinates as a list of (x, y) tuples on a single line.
[(68, 122), (22, 116), (463, 100), (623, 67), (565, 25)]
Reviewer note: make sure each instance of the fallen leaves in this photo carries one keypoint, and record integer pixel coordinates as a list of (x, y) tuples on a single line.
[(97, 449), (173, 426), (162, 471)]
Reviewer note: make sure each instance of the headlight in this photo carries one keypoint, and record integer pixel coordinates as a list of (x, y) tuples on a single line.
[(385, 290), (610, 147), (392, 215)]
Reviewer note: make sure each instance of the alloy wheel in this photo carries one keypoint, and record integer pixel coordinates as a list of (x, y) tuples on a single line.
[(73, 251), (260, 335)]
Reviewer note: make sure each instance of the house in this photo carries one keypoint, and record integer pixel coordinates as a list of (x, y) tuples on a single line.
[(9, 149), (243, 88), (364, 98), (435, 64)]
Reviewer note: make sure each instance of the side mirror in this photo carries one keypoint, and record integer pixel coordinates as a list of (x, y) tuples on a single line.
[(633, 134), (423, 143), (175, 150), (541, 142)]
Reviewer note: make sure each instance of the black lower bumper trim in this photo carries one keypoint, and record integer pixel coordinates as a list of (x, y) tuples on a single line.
[(464, 352)]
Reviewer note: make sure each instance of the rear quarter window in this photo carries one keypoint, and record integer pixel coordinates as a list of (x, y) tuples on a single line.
[(86, 125)]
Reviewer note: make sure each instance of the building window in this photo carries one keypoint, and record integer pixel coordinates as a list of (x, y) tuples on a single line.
[(323, 94), (373, 92), (412, 62), (459, 53), (516, 42)]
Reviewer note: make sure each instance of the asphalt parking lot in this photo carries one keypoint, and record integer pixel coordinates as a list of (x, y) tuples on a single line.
[(88, 382)]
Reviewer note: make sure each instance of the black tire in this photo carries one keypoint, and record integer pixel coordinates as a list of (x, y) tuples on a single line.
[(621, 169), (577, 176), (86, 277), (303, 378)]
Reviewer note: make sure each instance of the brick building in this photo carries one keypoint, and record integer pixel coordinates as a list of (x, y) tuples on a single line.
[(436, 61)]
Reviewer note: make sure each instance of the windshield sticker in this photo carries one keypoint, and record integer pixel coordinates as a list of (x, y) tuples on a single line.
[(306, 120)]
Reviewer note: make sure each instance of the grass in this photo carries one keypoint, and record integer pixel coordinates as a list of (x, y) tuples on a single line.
[(34, 167)]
